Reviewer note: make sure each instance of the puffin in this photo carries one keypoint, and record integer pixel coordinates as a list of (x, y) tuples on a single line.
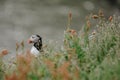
[(36, 40)]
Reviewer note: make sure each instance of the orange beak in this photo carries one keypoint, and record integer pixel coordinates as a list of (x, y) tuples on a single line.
[(29, 41)]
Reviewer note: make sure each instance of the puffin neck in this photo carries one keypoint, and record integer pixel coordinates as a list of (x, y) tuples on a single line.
[(38, 45)]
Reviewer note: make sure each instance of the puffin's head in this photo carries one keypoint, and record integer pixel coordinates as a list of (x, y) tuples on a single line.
[(34, 39)]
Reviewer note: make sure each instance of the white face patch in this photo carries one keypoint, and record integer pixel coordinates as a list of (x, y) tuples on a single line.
[(34, 38)]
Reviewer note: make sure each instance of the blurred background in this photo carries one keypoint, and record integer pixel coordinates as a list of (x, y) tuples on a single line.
[(19, 19)]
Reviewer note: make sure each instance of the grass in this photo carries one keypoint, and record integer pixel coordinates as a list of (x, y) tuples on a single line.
[(85, 55)]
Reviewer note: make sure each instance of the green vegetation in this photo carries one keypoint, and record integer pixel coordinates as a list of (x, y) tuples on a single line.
[(85, 55)]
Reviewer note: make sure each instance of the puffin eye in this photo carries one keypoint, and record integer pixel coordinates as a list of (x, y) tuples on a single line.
[(33, 37)]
